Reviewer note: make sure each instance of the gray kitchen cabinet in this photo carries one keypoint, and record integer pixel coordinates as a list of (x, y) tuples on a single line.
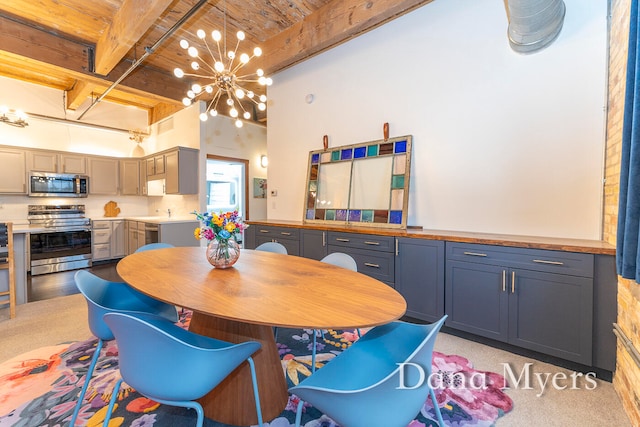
[(313, 244), (56, 162), (419, 277), (108, 239), (259, 234), (535, 299), (181, 171), (103, 175), (13, 173), (130, 177), (373, 254)]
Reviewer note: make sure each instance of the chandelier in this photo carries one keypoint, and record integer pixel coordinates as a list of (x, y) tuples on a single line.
[(19, 117), (218, 75)]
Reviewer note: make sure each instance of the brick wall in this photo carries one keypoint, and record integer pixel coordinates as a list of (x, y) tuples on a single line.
[(627, 377)]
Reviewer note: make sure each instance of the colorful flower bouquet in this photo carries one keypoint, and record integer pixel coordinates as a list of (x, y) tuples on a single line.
[(221, 231)]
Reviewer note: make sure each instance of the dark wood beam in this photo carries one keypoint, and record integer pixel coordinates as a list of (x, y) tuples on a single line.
[(334, 23), (132, 20)]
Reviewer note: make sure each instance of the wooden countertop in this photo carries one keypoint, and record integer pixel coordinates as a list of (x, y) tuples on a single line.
[(597, 247)]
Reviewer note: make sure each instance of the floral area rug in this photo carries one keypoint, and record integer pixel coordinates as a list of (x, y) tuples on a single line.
[(40, 388)]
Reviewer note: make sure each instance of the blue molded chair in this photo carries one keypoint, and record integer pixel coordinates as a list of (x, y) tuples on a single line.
[(338, 259), (103, 297), (367, 385), (275, 247), (152, 246), (171, 365)]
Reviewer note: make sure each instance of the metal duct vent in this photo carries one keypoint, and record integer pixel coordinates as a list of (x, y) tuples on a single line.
[(534, 24)]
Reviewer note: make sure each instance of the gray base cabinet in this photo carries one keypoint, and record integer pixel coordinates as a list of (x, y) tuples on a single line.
[(538, 300), (256, 235), (313, 244), (373, 254), (419, 277)]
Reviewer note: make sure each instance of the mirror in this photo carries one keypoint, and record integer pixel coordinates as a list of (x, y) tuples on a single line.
[(364, 184)]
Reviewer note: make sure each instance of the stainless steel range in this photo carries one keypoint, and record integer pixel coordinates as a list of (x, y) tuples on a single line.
[(65, 241)]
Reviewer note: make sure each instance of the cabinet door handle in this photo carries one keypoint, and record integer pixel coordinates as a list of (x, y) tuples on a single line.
[(544, 261), (513, 282), (397, 245), (504, 280), (474, 254), (285, 233), (339, 239), (368, 264), (372, 243), (264, 231), (324, 239)]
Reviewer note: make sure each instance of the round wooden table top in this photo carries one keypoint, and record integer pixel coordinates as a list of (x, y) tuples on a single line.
[(264, 288)]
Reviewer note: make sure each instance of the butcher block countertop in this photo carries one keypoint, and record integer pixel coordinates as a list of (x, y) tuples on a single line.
[(598, 247)]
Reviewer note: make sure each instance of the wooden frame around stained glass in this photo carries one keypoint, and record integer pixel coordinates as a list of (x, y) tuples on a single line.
[(364, 184)]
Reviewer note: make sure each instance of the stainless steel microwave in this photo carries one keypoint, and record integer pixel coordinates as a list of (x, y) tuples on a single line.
[(43, 184)]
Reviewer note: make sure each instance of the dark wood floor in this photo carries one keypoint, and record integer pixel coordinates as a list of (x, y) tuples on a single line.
[(53, 285)]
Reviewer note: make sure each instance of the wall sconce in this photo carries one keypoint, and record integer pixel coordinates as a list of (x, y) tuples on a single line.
[(264, 161), (20, 119)]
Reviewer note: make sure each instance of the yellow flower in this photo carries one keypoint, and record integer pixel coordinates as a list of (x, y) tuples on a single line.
[(196, 233), (230, 227)]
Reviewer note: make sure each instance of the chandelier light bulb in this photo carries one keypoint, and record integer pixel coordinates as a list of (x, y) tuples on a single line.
[(201, 34), (203, 117), (213, 113), (250, 94), (231, 54), (208, 89), (193, 52), (233, 113), (262, 106), (247, 115), (269, 81), (240, 35), (263, 98), (178, 72), (262, 80), (186, 101), (229, 102), (239, 93), (195, 66), (238, 123), (191, 94), (216, 35), (260, 72), (244, 58), (218, 66), (257, 51), (196, 88), (184, 44)]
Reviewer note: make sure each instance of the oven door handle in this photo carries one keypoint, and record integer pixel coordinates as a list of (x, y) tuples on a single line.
[(62, 230)]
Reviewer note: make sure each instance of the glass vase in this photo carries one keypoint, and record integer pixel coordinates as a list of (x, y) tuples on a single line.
[(223, 253)]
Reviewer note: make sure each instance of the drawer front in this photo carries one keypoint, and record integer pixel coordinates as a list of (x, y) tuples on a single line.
[(102, 251), (571, 263), (277, 233), (101, 236), (376, 264), (362, 241), (100, 224)]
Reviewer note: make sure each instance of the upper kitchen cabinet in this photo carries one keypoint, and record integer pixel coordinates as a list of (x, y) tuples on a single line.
[(13, 174), (130, 177), (103, 175), (49, 161), (179, 174)]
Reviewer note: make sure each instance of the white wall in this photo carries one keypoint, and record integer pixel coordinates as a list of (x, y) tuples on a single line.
[(503, 143)]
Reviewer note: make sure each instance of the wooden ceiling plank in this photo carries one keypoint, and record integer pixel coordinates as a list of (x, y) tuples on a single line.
[(78, 94), (130, 23), (334, 23), (33, 43)]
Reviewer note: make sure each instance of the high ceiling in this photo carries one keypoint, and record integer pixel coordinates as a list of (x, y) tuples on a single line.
[(84, 46)]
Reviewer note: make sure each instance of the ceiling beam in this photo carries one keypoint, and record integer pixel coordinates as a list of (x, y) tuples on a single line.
[(79, 93), (132, 20), (334, 23)]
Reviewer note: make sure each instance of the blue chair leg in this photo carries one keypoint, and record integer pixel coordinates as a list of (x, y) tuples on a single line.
[(256, 395), (88, 376), (358, 331), (436, 408), (112, 402), (299, 412), (313, 352)]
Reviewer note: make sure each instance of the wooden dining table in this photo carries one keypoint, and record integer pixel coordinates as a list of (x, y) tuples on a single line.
[(246, 301)]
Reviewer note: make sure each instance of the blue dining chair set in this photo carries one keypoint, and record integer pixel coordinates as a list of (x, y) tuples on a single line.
[(158, 358)]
